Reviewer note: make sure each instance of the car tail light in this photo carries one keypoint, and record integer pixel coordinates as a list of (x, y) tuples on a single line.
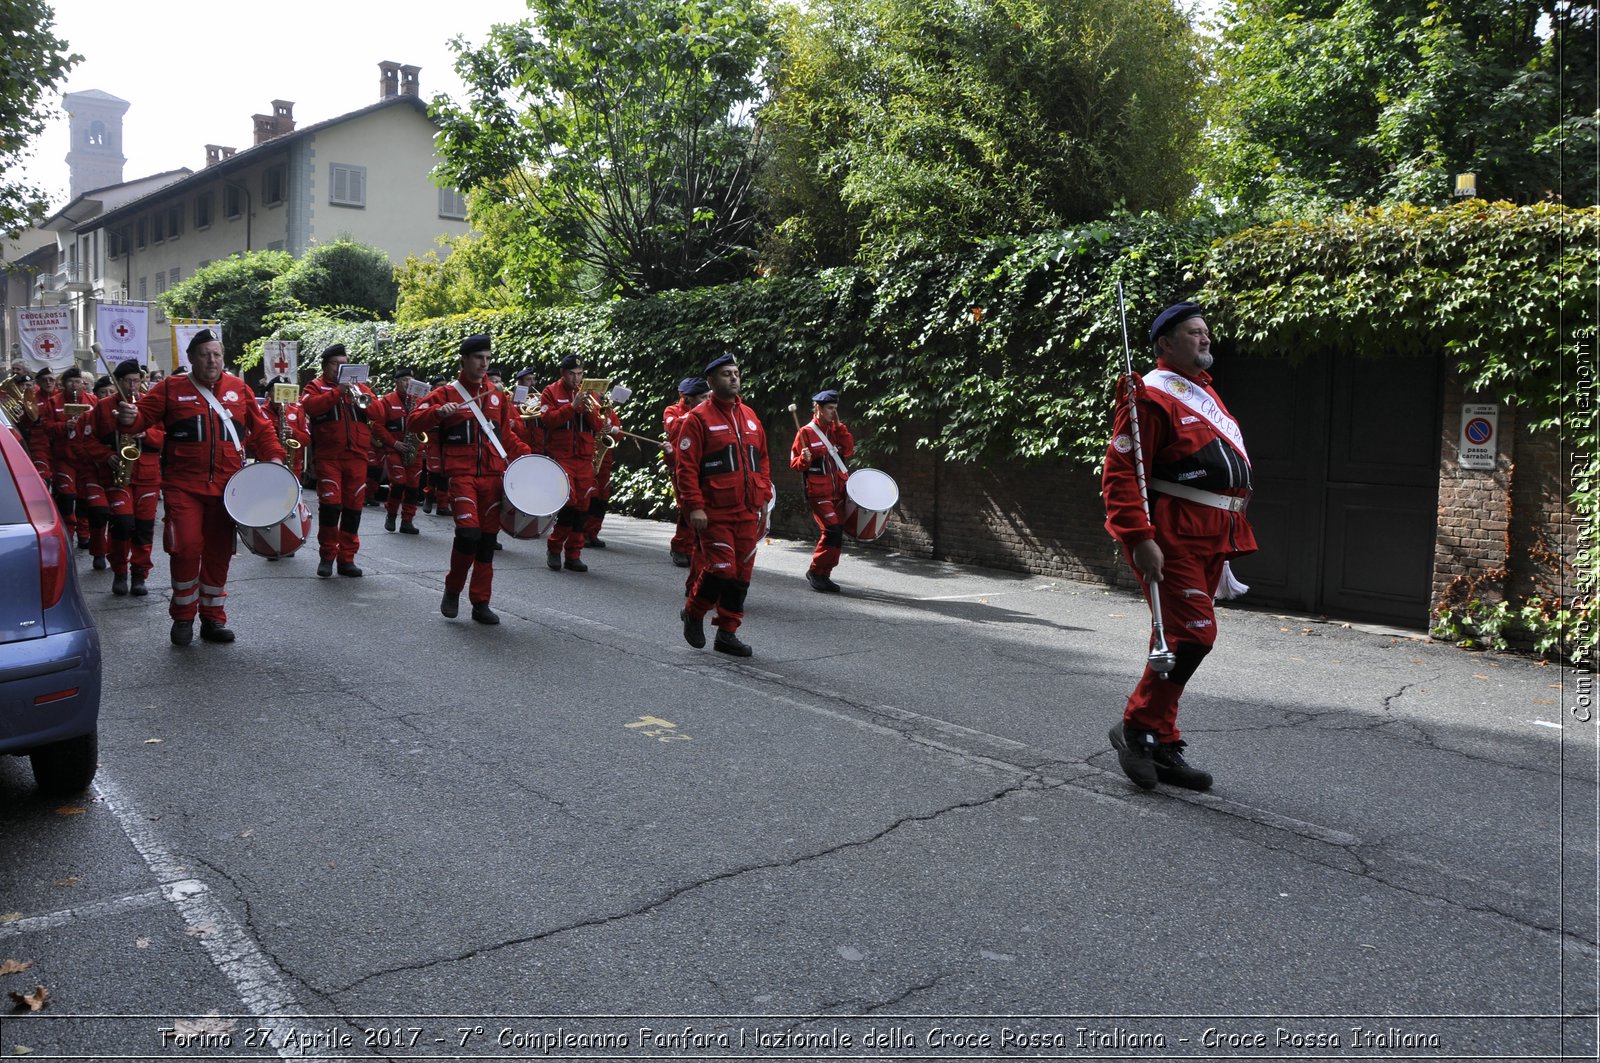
[(55, 550)]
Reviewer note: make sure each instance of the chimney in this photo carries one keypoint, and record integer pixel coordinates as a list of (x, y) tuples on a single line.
[(388, 80), (276, 124), (215, 153), (408, 80)]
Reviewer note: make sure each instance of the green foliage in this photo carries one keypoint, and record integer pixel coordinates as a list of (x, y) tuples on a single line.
[(238, 290), (918, 124), (643, 490), (33, 64), (343, 273), (494, 266), (621, 129), (1322, 104)]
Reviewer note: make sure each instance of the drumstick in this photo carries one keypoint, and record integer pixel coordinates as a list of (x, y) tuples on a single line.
[(794, 412)]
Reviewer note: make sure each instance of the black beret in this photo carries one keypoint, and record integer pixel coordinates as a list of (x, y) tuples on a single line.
[(436, 381), (1169, 318), (205, 335), (529, 371), (102, 382), (686, 385), (698, 386), (830, 395), (571, 361), (333, 352), (719, 361), (46, 371), (126, 367), (71, 372), (404, 370), (475, 343)]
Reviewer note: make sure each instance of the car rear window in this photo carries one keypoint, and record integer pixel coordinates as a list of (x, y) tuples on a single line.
[(11, 508)]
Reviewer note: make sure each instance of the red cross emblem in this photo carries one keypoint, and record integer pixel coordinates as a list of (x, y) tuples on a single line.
[(47, 345), (122, 331), (280, 363)]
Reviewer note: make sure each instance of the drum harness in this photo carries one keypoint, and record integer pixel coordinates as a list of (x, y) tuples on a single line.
[(483, 422), (222, 415), (833, 451)]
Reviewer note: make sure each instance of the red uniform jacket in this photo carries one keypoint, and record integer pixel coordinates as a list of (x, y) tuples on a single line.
[(36, 431), (722, 458), (460, 437), (198, 454), (568, 434), (672, 425), (390, 421), (824, 479), (1182, 447), (339, 428), (147, 470)]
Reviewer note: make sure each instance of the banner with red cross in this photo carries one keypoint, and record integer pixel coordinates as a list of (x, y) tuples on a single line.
[(281, 358), (183, 330), (123, 332), (45, 334)]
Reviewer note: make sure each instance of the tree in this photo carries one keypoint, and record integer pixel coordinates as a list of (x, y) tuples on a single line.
[(928, 122), (1327, 102), (622, 128), (33, 62), (342, 274), (238, 290)]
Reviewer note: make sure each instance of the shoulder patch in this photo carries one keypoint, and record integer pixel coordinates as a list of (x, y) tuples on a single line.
[(1123, 444)]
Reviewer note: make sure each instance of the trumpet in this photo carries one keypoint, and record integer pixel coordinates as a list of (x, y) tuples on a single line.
[(359, 397), (16, 402)]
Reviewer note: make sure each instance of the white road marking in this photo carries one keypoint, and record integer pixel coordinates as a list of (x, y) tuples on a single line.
[(262, 988), (81, 914)]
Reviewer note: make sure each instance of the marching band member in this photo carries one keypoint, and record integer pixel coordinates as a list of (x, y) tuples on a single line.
[(691, 392), (532, 423), (92, 469), (66, 470), (35, 424), (601, 500), (726, 485), (290, 419), (133, 493), (209, 417), (401, 447), (342, 441), (571, 419), (475, 426), (436, 495), (819, 450)]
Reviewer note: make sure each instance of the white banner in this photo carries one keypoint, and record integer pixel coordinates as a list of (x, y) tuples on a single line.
[(183, 330), (281, 358), (46, 337), (123, 332)]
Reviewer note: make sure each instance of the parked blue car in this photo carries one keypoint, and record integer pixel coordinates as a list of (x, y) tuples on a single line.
[(49, 648)]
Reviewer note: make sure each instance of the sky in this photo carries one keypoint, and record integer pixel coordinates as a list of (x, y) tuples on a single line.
[(195, 72)]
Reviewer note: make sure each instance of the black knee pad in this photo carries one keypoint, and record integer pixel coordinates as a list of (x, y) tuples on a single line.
[(66, 504), (486, 548), (1189, 655), (597, 508), (733, 595), (327, 516), (833, 535), (122, 528), (144, 531), (712, 588), (440, 482), (570, 516), (99, 516), (350, 520), (414, 495), (466, 541)]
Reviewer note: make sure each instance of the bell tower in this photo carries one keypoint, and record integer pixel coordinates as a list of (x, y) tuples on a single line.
[(95, 123)]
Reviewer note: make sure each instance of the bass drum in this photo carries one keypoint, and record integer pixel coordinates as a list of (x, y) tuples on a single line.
[(869, 495), (535, 489), (264, 501)]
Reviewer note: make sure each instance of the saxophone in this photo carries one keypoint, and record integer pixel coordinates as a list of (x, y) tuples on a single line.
[(124, 449), (411, 443)]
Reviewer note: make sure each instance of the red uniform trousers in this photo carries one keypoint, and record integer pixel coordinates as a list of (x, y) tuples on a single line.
[(199, 543), (827, 513), (405, 486), (475, 503), (133, 525), (94, 506), (724, 561), (1189, 577), (600, 502), (567, 534), (341, 490)]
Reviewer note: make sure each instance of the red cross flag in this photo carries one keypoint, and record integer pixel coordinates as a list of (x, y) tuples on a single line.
[(280, 357), (123, 332), (45, 335)]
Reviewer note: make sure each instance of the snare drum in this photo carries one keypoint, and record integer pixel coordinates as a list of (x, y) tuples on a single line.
[(869, 495), (264, 501), (535, 490)]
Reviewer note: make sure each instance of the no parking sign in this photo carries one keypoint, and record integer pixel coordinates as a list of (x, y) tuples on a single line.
[(1479, 426)]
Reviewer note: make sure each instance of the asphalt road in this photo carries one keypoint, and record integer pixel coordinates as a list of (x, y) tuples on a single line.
[(364, 831)]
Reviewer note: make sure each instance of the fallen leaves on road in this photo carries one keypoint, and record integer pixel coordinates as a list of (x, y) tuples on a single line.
[(14, 966), (141, 943), (209, 1023), (70, 810), (153, 741), (68, 882), (10, 917), (1476, 676), (21, 1050), (33, 1001), (201, 929)]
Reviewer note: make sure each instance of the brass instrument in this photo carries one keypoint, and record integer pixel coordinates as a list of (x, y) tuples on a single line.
[(282, 395), (361, 399), (16, 401)]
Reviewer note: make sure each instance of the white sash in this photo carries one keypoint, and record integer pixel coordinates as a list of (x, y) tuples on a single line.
[(832, 451), (221, 412), (1200, 401), (483, 422)]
